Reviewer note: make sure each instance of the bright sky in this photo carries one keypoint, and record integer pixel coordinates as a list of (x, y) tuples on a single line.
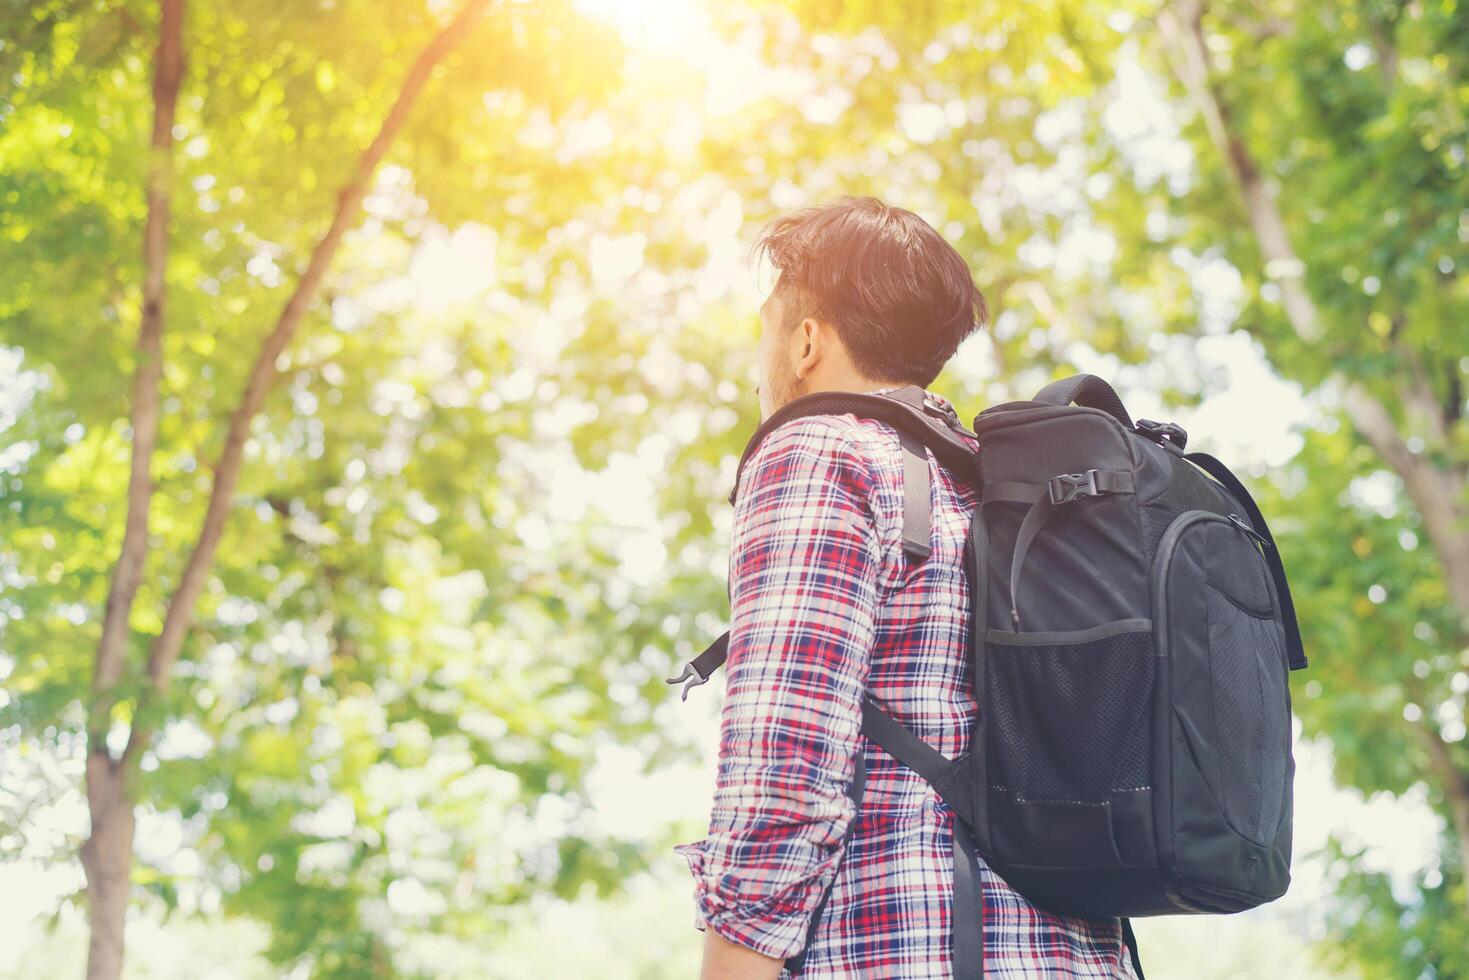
[(658, 25)]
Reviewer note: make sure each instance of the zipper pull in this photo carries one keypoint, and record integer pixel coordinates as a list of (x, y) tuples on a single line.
[(1244, 526)]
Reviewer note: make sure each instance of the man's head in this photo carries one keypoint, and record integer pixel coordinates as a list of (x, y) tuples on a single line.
[(868, 296)]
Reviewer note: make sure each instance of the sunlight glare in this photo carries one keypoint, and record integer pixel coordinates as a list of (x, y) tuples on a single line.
[(663, 24)]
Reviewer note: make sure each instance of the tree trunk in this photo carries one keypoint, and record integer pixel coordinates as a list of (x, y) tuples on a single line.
[(1456, 790), (107, 854), (107, 859), (179, 616)]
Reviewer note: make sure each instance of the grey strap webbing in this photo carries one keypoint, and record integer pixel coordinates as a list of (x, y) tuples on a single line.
[(917, 496), (968, 914), (937, 770), (1013, 490), (1039, 514)]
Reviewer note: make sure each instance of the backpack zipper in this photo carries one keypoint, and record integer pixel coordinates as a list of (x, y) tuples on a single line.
[(1244, 526)]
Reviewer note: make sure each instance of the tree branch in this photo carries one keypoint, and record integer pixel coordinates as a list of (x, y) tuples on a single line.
[(1182, 28), (1455, 782), (1422, 398), (179, 617), (1384, 42), (1262, 28), (106, 854), (1453, 404), (1434, 491), (128, 573)]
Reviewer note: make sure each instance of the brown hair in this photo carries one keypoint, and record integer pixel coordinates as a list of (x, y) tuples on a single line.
[(901, 297)]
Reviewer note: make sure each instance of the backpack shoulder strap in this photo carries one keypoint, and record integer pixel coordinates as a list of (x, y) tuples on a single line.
[(905, 409), (1295, 651), (920, 423), (1130, 941)]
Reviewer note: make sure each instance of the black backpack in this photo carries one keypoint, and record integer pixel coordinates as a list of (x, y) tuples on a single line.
[(1132, 632)]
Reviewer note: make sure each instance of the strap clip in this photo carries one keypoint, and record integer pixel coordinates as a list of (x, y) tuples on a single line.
[(1069, 486), (690, 674), (1167, 434), (931, 403)]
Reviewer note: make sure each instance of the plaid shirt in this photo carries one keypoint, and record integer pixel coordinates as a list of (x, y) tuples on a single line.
[(824, 605)]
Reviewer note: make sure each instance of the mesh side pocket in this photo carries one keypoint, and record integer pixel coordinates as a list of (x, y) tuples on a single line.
[(1069, 722)]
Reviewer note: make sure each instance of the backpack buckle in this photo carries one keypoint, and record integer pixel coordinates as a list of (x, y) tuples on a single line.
[(690, 674), (1167, 434), (931, 403), (1067, 487)]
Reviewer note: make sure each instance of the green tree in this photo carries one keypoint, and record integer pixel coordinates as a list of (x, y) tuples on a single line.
[(276, 541), (320, 506)]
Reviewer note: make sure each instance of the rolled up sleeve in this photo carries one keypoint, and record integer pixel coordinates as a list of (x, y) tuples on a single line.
[(805, 584)]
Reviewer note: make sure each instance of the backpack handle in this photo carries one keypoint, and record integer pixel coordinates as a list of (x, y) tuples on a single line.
[(1087, 390)]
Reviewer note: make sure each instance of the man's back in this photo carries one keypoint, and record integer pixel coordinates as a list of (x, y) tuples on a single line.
[(826, 606)]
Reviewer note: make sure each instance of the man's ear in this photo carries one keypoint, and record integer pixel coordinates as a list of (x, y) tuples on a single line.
[(808, 345)]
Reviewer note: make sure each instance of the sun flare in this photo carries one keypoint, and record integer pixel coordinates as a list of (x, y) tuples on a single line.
[(664, 24)]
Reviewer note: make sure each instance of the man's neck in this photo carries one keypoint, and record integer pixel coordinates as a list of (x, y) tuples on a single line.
[(887, 388)]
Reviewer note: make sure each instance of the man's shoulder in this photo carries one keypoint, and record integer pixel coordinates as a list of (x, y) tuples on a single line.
[(872, 443), (842, 427)]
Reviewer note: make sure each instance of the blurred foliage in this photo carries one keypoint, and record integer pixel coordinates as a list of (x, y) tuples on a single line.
[(407, 659), (386, 678)]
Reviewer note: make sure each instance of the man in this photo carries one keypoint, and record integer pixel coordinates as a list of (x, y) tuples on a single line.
[(825, 604)]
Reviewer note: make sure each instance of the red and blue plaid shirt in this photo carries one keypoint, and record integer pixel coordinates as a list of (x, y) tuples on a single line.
[(825, 605)]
